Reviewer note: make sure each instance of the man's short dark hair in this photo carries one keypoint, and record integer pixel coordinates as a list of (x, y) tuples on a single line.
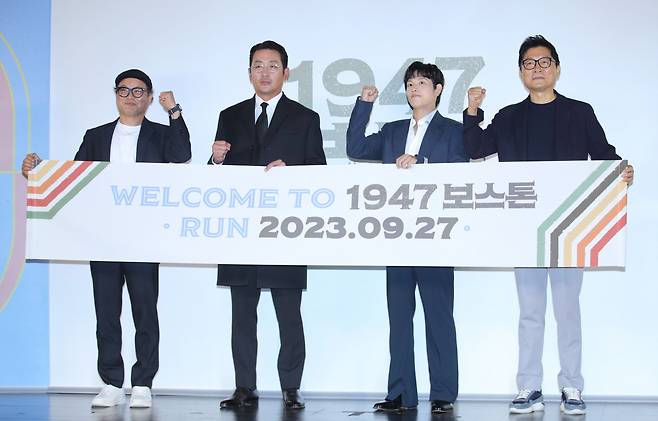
[(537, 41), (270, 45), (135, 74), (428, 70)]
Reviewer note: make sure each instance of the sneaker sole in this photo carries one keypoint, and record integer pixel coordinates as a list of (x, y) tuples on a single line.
[(574, 411), (538, 406)]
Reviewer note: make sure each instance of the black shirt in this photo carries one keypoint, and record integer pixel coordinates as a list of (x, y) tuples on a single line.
[(541, 131)]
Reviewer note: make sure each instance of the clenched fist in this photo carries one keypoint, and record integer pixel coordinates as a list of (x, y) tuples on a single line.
[(219, 150), (31, 160), (369, 93), (476, 95), (168, 102)]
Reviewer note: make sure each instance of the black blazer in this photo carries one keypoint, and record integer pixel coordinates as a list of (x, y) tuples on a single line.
[(156, 142), (578, 134), (293, 136)]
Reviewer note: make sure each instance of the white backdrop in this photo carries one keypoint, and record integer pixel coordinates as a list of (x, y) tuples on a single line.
[(200, 52)]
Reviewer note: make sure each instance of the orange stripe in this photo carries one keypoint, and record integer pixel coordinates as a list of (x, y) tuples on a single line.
[(62, 186), (570, 238), (50, 181), (616, 209)]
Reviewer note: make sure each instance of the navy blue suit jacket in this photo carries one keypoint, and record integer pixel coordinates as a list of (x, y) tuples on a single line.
[(442, 141), (578, 134)]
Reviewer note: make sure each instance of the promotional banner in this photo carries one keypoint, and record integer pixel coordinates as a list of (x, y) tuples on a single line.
[(552, 214)]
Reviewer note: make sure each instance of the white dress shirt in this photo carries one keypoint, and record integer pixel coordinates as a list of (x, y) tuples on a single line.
[(415, 136), (271, 106)]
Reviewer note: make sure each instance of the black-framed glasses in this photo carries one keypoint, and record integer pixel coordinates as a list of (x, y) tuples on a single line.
[(531, 63), (124, 91), (269, 68)]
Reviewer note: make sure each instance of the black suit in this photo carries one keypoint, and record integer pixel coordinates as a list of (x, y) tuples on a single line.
[(156, 143), (293, 136)]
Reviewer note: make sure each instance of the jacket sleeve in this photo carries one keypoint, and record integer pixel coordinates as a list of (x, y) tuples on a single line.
[(177, 141), (456, 151), (597, 144), (84, 152), (357, 144), (314, 153), (479, 143)]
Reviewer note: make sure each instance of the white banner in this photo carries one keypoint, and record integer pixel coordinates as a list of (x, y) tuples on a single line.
[(526, 214)]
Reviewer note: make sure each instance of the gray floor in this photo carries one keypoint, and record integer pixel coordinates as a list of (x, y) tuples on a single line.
[(76, 407)]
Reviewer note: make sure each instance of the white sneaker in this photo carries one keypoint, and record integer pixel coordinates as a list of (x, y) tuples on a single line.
[(140, 397), (109, 396), (572, 402)]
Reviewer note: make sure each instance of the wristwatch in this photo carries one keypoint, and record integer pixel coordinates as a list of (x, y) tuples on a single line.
[(175, 108)]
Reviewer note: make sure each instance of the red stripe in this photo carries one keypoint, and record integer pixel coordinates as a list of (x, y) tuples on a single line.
[(40, 203), (594, 254)]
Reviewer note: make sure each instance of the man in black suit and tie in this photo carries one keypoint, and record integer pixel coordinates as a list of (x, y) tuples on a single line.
[(130, 138), (267, 130)]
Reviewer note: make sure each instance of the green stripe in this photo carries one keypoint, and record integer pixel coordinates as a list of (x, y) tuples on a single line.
[(70, 195), (541, 231)]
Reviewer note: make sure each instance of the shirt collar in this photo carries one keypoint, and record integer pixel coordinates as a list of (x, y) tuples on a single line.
[(271, 103), (424, 119)]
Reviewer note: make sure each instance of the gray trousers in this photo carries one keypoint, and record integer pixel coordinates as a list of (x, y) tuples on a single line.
[(531, 286)]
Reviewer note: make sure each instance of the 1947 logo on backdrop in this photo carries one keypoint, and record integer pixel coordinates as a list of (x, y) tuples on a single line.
[(392, 94)]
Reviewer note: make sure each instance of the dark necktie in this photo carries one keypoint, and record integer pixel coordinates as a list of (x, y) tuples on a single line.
[(261, 123)]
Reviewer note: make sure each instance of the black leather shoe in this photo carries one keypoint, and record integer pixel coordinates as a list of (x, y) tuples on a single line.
[(240, 398), (441, 407), (293, 399), (392, 406)]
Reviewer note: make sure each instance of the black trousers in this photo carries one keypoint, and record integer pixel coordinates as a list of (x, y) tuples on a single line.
[(244, 343), (142, 281)]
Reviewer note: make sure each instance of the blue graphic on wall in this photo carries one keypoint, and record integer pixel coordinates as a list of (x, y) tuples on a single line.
[(24, 97)]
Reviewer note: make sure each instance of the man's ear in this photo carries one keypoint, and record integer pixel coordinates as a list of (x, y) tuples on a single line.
[(438, 89), (286, 74)]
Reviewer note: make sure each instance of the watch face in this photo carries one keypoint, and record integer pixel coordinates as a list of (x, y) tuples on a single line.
[(177, 107)]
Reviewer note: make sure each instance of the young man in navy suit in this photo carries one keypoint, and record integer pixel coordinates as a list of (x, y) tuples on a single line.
[(267, 130), (128, 139), (427, 137)]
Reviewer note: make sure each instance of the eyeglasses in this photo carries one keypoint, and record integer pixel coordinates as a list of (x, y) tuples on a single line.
[(124, 91), (269, 68), (531, 63)]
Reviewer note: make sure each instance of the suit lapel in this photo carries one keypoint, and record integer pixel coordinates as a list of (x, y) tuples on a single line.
[(248, 120), (432, 135), (400, 139), (280, 114), (105, 142), (521, 132), (143, 140), (562, 120)]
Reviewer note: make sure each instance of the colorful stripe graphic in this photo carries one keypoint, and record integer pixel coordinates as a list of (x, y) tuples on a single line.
[(50, 188), (592, 211)]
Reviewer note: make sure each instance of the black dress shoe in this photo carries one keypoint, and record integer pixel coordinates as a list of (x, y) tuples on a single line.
[(240, 398), (293, 399), (392, 406), (441, 407)]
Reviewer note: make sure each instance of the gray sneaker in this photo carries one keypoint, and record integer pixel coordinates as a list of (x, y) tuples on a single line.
[(527, 401), (572, 403)]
